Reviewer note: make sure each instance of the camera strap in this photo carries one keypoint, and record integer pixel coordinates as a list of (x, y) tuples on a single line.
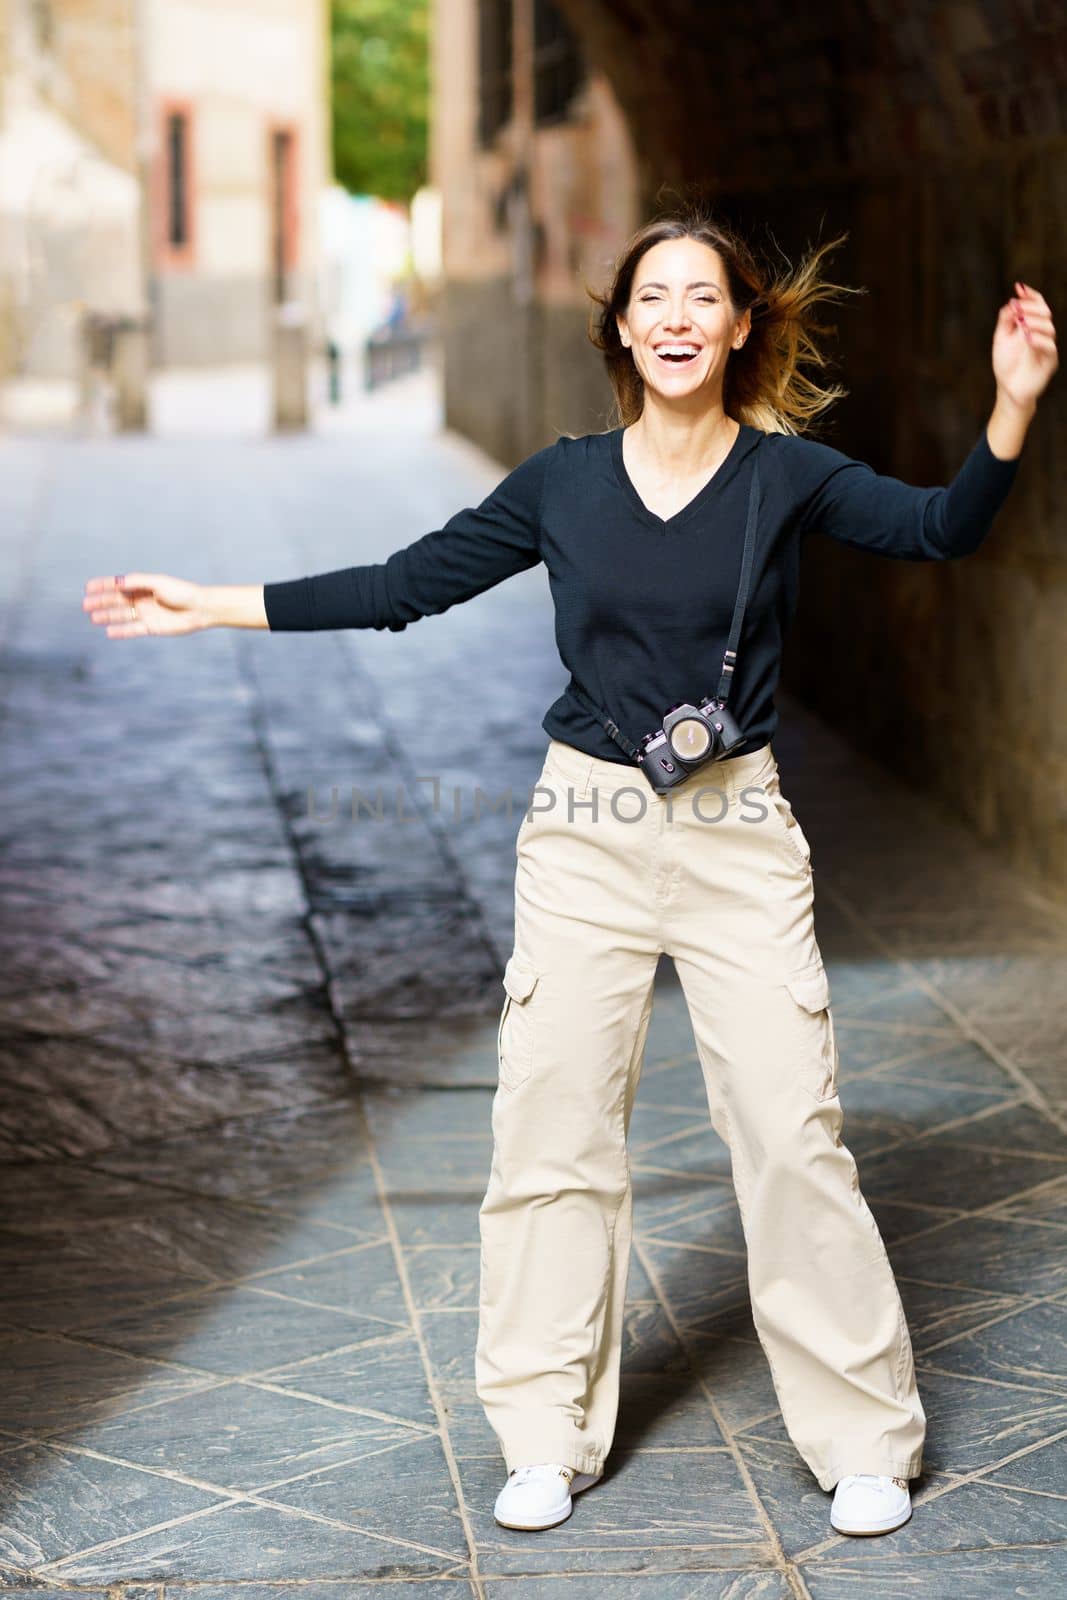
[(729, 660)]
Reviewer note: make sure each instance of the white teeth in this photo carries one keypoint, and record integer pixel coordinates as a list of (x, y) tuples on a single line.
[(676, 350)]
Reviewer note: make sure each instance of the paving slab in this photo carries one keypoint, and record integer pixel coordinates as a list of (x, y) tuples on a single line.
[(253, 923)]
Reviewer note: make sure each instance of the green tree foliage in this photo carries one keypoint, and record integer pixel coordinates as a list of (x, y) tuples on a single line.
[(380, 72)]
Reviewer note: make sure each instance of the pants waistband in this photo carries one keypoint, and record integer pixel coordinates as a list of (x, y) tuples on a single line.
[(585, 772)]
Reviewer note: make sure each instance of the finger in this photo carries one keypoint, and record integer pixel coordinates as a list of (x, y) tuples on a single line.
[(106, 597), (121, 583), (1010, 322), (1024, 291), (104, 585), (1034, 321), (138, 580), (1030, 308), (120, 624), (112, 613), (1037, 319)]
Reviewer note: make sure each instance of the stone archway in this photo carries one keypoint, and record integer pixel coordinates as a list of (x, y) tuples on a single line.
[(933, 135)]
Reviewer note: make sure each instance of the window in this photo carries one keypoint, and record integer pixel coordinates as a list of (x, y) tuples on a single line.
[(559, 70), (176, 188), (283, 209), (494, 68), (178, 180)]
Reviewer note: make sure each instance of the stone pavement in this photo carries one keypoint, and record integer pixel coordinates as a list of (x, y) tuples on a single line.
[(248, 1058)]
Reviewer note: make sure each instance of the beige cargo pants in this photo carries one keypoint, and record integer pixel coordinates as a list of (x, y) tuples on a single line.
[(608, 876)]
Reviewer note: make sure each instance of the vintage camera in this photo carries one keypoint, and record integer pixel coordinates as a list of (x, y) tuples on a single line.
[(690, 737)]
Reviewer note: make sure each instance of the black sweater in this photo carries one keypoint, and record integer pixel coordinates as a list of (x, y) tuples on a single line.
[(643, 604)]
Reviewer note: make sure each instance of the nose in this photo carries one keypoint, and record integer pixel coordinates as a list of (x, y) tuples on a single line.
[(676, 315)]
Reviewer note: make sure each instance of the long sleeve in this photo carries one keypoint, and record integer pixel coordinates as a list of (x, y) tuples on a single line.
[(852, 503), (475, 549)]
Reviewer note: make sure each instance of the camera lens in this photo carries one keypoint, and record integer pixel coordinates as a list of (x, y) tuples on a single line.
[(690, 739)]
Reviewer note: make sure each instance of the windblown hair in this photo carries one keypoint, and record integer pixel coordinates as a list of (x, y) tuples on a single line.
[(762, 385)]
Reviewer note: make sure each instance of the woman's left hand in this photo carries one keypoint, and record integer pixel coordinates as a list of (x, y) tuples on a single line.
[(1024, 347)]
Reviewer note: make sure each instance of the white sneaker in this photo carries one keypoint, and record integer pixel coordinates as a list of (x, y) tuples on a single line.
[(539, 1496), (865, 1504)]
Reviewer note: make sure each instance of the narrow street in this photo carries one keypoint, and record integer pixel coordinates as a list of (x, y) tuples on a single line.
[(248, 1059)]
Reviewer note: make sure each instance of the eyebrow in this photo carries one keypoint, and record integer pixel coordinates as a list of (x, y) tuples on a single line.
[(701, 283)]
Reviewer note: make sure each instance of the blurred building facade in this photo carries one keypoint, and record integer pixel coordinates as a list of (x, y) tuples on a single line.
[(240, 154), (161, 155), (933, 136), (535, 166), (69, 195)]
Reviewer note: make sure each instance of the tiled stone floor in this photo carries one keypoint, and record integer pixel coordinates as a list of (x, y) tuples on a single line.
[(248, 1060)]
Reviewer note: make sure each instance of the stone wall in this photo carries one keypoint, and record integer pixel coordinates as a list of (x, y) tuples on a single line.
[(936, 137), (87, 59), (69, 200), (956, 671), (515, 377)]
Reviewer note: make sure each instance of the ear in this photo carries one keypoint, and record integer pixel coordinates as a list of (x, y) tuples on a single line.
[(624, 332), (743, 329)]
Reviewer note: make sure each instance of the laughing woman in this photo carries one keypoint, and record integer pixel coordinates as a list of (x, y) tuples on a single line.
[(672, 544)]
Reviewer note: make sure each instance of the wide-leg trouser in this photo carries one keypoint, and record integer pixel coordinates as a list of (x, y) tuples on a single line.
[(718, 875)]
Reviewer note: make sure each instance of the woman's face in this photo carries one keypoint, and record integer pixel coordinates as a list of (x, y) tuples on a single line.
[(680, 325)]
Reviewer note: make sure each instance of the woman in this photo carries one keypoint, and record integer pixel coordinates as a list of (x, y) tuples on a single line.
[(643, 530)]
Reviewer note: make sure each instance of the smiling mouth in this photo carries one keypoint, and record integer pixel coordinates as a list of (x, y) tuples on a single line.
[(676, 358)]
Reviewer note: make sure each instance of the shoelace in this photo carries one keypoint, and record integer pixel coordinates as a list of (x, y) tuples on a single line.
[(542, 1470), (875, 1481)]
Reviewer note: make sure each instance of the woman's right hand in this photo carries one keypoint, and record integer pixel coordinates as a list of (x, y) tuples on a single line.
[(163, 605)]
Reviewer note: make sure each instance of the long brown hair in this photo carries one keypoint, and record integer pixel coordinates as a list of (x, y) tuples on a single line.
[(762, 385)]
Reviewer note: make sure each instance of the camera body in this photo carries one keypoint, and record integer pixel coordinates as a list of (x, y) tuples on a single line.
[(691, 736)]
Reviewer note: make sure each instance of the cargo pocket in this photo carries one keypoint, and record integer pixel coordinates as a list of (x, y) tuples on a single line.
[(810, 988), (514, 1040)]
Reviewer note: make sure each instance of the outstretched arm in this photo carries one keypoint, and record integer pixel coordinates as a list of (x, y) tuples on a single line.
[(851, 503), (477, 548)]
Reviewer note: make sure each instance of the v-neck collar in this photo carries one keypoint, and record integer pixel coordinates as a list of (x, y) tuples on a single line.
[(745, 440)]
